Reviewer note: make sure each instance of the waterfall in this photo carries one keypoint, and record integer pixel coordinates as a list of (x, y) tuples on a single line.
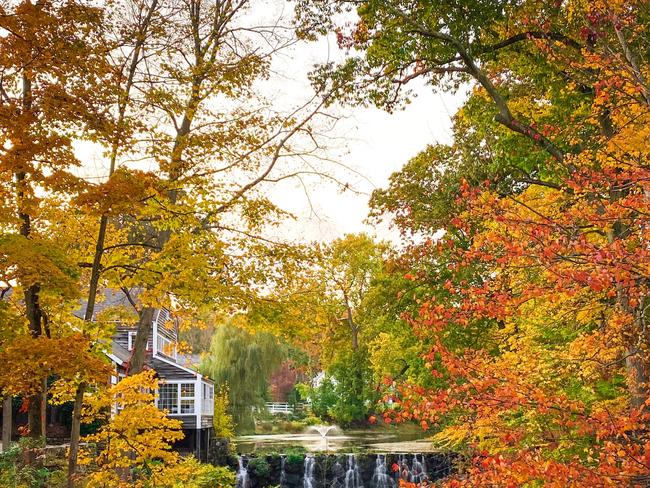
[(242, 474), (308, 480), (381, 478), (353, 476), (403, 473), (283, 473), (418, 472), (338, 476)]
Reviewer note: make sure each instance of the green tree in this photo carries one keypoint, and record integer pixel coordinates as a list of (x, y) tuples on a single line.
[(243, 363)]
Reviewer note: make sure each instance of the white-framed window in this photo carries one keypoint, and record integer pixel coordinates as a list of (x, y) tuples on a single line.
[(166, 346), (115, 379), (176, 398), (168, 397), (187, 397), (208, 391), (131, 340), (207, 399)]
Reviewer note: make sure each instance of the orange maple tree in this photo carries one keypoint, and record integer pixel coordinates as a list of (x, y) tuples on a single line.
[(537, 222)]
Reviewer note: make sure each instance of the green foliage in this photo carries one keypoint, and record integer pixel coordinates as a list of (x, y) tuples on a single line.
[(353, 388), (214, 476), (15, 473), (295, 456), (259, 467), (191, 473), (345, 395), (243, 362), (282, 424), (322, 398)]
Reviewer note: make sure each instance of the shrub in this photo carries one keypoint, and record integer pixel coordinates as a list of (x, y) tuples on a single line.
[(295, 456), (14, 473), (215, 477), (259, 467), (190, 473), (222, 421)]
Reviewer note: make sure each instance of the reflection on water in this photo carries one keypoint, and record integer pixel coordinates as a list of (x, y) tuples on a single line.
[(373, 441)]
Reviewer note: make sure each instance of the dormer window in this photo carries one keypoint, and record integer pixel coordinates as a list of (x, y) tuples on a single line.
[(131, 342), (166, 346)]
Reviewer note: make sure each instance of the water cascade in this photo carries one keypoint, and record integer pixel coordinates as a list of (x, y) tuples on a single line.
[(353, 476), (403, 473), (283, 472), (416, 472), (381, 477), (320, 470), (243, 481), (338, 476), (308, 480), (419, 470)]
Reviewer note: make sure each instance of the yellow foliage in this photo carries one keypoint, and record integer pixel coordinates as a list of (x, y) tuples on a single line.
[(137, 435)]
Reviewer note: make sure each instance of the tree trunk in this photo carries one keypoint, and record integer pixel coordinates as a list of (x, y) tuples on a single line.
[(7, 422), (354, 329), (141, 338), (638, 377), (75, 433), (32, 305), (35, 417), (44, 410), (75, 430), (637, 364)]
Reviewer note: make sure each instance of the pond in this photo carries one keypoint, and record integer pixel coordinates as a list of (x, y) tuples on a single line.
[(328, 457), (336, 440)]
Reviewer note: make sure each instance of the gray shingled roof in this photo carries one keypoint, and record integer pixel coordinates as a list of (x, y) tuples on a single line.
[(110, 298)]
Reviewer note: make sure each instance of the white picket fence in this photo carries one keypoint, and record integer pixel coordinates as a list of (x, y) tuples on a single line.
[(284, 408)]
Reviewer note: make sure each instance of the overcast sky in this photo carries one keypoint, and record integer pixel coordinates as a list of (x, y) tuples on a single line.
[(374, 143)]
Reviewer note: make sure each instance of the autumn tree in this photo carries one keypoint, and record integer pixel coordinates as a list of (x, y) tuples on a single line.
[(535, 218), (151, 84), (192, 230), (327, 304), (138, 439), (51, 89)]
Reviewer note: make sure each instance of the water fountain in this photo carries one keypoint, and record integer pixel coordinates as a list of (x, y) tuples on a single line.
[(381, 478), (323, 431), (243, 480), (353, 476), (308, 480)]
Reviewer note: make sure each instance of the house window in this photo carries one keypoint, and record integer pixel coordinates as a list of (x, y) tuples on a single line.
[(207, 400), (187, 397), (132, 335), (176, 398), (166, 347), (168, 397)]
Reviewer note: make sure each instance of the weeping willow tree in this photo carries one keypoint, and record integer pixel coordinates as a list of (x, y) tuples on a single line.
[(243, 363)]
